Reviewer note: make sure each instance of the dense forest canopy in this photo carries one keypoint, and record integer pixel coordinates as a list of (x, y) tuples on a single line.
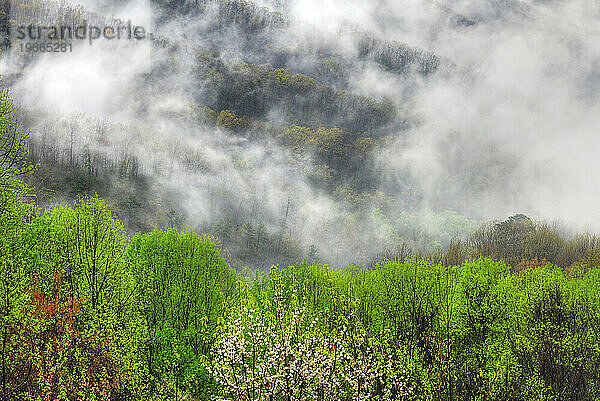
[(89, 312), (299, 200)]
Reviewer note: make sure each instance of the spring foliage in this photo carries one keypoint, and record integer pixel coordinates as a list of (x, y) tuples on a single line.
[(89, 313)]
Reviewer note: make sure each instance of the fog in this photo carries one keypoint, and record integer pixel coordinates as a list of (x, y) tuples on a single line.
[(507, 124)]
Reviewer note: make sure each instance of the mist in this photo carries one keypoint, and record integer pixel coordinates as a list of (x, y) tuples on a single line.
[(496, 113)]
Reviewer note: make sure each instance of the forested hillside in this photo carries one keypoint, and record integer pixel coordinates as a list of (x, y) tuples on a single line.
[(240, 121), (89, 312), (287, 137), (299, 200)]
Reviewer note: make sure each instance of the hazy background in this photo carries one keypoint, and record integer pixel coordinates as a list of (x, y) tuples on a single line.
[(508, 123)]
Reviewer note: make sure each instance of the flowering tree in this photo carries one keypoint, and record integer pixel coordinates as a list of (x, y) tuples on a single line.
[(278, 353)]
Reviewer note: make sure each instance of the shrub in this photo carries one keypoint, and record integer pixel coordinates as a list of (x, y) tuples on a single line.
[(53, 354)]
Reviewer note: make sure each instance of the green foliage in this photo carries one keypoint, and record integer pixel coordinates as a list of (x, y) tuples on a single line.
[(52, 353), (474, 331), (64, 308), (88, 242), (253, 90), (518, 239), (88, 313), (162, 315), (181, 284), (13, 143), (229, 120)]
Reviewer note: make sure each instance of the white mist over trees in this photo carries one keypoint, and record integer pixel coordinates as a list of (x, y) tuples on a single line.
[(321, 129)]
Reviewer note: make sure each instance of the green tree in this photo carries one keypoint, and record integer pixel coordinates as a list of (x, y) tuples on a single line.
[(13, 142), (182, 283), (90, 242)]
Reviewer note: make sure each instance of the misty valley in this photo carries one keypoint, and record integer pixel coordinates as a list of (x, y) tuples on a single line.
[(299, 200)]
